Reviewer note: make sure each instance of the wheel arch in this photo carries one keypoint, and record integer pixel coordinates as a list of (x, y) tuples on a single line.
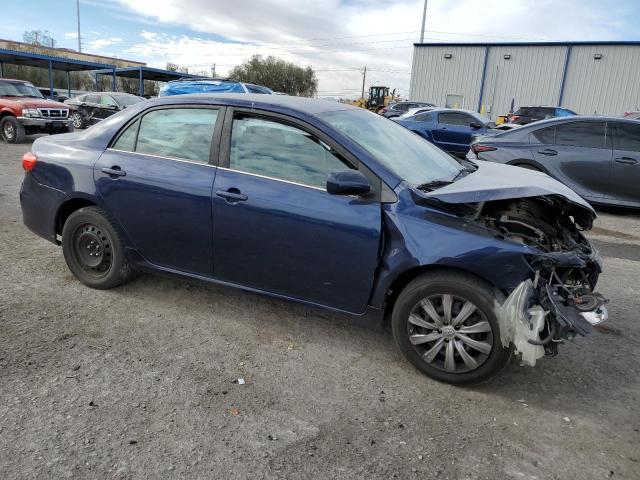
[(406, 277), (67, 208), (527, 161)]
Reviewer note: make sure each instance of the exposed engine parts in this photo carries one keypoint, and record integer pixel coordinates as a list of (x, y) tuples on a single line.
[(558, 303)]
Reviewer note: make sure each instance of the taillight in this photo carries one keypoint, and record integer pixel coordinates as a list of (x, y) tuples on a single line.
[(513, 118), (482, 148), (29, 161)]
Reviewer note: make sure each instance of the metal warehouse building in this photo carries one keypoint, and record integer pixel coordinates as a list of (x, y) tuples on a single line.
[(601, 78)]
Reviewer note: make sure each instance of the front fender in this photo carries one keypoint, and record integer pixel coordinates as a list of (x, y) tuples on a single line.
[(418, 236)]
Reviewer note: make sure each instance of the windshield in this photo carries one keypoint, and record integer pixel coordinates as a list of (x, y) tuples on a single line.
[(403, 152), (127, 100), (10, 89)]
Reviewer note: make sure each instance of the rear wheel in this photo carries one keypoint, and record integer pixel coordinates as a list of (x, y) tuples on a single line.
[(93, 250), (446, 325), (12, 130)]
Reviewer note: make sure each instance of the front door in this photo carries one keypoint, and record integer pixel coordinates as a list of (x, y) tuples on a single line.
[(625, 170), (276, 229), (156, 179), (453, 132)]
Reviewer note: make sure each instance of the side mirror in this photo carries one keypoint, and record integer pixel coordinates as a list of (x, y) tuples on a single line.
[(475, 125), (347, 182)]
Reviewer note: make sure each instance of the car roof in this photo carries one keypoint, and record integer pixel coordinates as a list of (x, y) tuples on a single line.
[(258, 100), (14, 80)]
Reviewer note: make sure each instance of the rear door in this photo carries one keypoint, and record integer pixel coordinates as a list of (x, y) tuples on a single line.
[(577, 154), (156, 181), (625, 170), (277, 229)]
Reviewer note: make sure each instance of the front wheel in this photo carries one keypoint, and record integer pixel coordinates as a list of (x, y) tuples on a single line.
[(446, 325), (93, 250), (12, 130)]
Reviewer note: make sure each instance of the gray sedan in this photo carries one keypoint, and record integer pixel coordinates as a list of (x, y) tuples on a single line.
[(598, 157)]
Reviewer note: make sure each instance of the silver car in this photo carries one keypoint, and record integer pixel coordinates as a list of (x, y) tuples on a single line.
[(598, 157)]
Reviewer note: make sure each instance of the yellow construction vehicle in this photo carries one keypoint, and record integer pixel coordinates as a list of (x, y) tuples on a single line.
[(379, 98)]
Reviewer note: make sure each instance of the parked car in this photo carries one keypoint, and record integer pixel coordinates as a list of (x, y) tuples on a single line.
[(56, 97), (598, 157), (526, 115), (395, 109), (448, 128), (24, 111), (94, 107), (329, 205), (210, 85)]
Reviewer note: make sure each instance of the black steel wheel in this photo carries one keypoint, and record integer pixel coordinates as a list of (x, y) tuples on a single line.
[(446, 324), (93, 250)]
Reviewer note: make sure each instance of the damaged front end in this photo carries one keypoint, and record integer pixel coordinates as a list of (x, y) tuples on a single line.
[(559, 302)]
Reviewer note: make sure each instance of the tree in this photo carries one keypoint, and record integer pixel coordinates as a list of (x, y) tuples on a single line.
[(278, 75), (174, 67), (39, 37)]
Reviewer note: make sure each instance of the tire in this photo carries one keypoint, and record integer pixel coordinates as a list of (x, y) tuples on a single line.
[(11, 130), (77, 120), (480, 328), (93, 249)]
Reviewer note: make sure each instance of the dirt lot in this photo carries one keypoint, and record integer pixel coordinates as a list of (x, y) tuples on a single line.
[(138, 382)]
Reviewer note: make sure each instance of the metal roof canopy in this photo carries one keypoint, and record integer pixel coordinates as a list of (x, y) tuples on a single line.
[(525, 44), (146, 73), (51, 62)]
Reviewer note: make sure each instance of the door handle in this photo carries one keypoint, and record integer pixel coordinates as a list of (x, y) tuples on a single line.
[(232, 195), (114, 171), (627, 160), (548, 151)]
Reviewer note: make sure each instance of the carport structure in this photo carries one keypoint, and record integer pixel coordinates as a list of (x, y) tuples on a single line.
[(52, 63), (145, 73)]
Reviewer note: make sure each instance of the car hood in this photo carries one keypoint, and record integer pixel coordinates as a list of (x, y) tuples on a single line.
[(30, 102), (496, 181)]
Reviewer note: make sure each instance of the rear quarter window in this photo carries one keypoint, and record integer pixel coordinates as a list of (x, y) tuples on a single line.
[(545, 135)]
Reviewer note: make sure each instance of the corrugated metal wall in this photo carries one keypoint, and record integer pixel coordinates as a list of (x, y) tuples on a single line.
[(531, 76), (434, 77), (609, 86)]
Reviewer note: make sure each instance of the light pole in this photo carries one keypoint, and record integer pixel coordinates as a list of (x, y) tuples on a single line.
[(79, 40), (424, 19)]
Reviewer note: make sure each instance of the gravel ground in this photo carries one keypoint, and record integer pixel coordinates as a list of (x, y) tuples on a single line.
[(138, 382)]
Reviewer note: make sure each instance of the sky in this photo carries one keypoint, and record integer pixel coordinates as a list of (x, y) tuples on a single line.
[(335, 37)]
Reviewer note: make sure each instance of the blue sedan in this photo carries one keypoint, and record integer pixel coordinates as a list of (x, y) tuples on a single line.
[(329, 205), (450, 129)]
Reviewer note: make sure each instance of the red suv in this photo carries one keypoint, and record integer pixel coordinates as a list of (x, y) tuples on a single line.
[(24, 111)]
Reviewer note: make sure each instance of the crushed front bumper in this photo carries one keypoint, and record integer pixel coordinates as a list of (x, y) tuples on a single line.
[(536, 318)]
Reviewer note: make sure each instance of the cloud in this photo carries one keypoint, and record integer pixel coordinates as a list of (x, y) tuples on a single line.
[(71, 35), (101, 43), (338, 37)]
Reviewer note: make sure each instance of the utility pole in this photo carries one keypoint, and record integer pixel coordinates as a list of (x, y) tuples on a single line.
[(79, 40), (213, 71), (364, 77), (424, 19)]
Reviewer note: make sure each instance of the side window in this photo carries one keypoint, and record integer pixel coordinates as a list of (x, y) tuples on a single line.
[(545, 135), (182, 133), (423, 117), (127, 139), (276, 150), (455, 119), (107, 100), (581, 134), (92, 99), (626, 137)]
